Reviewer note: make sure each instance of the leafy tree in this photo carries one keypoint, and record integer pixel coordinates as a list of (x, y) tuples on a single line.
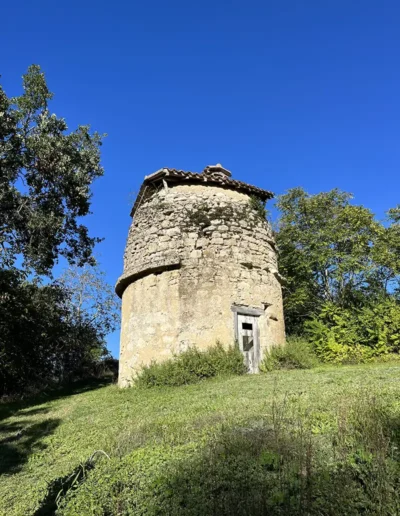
[(46, 173), (331, 251), (45, 179), (40, 343), (386, 252), (53, 333), (91, 298)]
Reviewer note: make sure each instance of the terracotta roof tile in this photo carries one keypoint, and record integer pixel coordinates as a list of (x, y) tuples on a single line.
[(207, 176)]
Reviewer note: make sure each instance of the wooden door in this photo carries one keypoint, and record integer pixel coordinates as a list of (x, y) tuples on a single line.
[(247, 333)]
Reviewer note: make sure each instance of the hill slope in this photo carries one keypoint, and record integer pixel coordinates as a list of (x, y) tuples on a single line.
[(253, 443)]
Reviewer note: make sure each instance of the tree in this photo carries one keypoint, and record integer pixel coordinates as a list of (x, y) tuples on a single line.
[(46, 175), (331, 251), (40, 343), (45, 179), (91, 298), (53, 333), (386, 252)]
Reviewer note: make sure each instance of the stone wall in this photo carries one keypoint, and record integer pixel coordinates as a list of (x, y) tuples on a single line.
[(192, 252)]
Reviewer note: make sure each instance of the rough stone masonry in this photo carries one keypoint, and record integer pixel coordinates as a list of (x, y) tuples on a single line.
[(200, 265)]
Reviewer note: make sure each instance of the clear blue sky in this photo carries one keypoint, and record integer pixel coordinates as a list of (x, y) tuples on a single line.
[(283, 93)]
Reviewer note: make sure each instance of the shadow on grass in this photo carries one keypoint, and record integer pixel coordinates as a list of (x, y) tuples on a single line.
[(27, 406), (60, 486), (24, 439), (19, 439)]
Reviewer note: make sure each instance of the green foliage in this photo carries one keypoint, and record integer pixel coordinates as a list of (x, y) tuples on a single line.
[(342, 335), (331, 251), (191, 366), (46, 176), (44, 338), (258, 206), (295, 354)]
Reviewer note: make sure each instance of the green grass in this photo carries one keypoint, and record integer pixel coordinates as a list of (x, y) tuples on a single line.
[(42, 442)]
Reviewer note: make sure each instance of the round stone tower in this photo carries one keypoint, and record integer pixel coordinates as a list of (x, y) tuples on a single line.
[(200, 265)]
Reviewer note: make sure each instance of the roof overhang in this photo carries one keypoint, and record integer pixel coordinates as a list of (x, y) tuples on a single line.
[(172, 175)]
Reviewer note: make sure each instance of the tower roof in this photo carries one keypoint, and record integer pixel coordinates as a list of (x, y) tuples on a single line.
[(212, 174)]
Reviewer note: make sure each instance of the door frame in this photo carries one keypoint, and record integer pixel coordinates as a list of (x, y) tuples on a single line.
[(253, 312)]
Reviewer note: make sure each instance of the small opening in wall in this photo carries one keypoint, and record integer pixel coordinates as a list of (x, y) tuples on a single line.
[(247, 326), (248, 343)]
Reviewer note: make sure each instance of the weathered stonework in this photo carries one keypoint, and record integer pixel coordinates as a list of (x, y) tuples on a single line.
[(194, 251)]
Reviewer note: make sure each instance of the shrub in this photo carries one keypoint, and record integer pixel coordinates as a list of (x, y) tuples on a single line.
[(342, 335), (258, 206), (191, 366), (295, 354)]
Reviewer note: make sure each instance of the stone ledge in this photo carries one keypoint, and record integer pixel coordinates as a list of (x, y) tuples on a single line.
[(247, 310), (169, 262)]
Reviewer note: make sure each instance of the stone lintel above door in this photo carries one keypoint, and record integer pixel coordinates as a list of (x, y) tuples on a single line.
[(247, 310)]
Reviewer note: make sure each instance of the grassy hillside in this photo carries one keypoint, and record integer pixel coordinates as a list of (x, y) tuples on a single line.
[(276, 443)]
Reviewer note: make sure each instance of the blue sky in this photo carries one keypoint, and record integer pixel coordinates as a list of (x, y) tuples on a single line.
[(284, 93)]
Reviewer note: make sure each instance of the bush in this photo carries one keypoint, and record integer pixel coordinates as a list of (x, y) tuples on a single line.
[(295, 354), (191, 366), (342, 335)]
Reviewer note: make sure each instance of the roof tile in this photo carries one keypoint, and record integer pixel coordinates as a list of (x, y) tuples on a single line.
[(181, 176)]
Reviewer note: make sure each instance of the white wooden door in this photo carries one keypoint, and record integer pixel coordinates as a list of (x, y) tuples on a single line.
[(247, 333)]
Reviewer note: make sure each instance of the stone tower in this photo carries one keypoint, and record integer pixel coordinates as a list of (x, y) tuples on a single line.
[(200, 265)]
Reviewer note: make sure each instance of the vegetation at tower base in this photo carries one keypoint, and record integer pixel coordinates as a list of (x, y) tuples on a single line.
[(46, 175), (296, 353), (192, 366), (342, 270), (318, 441)]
